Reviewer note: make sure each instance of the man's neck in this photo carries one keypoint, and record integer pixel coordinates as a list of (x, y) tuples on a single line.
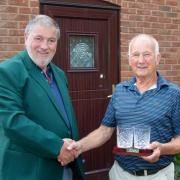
[(144, 84), (44, 69)]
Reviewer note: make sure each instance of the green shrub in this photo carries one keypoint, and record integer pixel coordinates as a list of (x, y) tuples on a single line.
[(177, 166)]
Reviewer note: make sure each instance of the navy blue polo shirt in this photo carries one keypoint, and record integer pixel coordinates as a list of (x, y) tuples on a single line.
[(57, 94), (158, 108)]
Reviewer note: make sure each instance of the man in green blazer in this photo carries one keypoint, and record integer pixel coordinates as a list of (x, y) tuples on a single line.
[(36, 114)]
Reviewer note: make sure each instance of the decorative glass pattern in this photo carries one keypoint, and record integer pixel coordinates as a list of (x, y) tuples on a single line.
[(81, 51)]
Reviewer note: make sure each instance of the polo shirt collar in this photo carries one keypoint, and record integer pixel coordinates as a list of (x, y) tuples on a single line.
[(160, 82)]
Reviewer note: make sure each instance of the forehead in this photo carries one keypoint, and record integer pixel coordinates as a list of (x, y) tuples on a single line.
[(142, 44), (43, 30)]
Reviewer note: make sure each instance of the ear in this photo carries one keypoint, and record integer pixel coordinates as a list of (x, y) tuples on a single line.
[(158, 58), (25, 37), (129, 59)]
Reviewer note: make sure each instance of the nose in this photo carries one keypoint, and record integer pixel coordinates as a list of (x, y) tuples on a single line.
[(141, 58), (44, 44)]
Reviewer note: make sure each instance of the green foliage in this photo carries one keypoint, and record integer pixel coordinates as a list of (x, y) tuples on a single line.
[(177, 158), (177, 167)]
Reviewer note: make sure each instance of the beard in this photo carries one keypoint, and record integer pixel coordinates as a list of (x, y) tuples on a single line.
[(40, 61)]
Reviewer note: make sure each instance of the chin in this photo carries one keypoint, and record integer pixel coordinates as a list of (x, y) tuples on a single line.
[(140, 75), (45, 63), (41, 62)]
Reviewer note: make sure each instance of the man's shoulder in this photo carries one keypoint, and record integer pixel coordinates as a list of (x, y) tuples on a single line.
[(163, 82), (13, 62), (171, 85), (13, 69), (174, 88), (169, 88), (125, 83)]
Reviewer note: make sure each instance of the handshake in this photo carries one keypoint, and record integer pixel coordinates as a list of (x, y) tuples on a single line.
[(70, 150)]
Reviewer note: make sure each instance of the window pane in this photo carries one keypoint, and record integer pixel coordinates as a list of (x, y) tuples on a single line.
[(82, 51)]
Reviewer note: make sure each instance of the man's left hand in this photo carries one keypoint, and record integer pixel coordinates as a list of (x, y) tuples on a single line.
[(154, 157)]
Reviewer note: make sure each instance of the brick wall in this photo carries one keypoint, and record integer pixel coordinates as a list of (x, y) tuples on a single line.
[(161, 18), (14, 15)]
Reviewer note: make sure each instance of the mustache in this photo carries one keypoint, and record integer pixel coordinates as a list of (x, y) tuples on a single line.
[(40, 50)]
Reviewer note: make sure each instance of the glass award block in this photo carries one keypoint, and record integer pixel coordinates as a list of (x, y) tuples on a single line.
[(124, 137), (141, 137), (133, 141)]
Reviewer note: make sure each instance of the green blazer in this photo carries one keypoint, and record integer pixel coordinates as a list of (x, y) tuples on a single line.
[(31, 125)]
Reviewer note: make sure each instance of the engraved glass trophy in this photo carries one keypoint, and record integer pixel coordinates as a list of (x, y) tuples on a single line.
[(133, 141)]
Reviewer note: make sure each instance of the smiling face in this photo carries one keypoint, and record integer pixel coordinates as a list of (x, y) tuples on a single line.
[(41, 44), (143, 59)]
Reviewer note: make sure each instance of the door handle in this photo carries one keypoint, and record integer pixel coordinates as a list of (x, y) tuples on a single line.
[(113, 88), (109, 96)]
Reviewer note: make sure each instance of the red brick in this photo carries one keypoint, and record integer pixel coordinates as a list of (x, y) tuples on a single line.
[(4, 32), (143, 12), (176, 67), (9, 40), (23, 24), (157, 25), (8, 24), (11, 47), (165, 8), (35, 11), (5, 9), (135, 5), (160, 2), (34, 3), (150, 31), (136, 18), (16, 32), (128, 11), (3, 2), (171, 61), (172, 26), (173, 15), (153, 6), (164, 20), (151, 19), (143, 24), (25, 10), (165, 67), (158, 13), (18, 2), (171, 2)]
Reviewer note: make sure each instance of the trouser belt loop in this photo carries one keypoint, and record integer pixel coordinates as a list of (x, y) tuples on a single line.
[(145, 173)]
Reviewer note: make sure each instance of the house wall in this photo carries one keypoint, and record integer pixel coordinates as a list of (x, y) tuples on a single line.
[(160, 18)]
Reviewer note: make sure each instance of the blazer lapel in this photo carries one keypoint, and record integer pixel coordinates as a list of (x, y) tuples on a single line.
[(36, 74), (64, 93)]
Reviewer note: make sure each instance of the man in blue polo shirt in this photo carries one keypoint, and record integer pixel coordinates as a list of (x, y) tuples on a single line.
[(146, 99)]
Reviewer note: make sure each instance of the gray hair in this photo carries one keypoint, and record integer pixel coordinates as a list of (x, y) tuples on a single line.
[(145, 37), (42, 20)]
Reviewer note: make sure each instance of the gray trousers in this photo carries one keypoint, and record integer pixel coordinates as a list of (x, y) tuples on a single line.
[(67, 173), (117, 173)]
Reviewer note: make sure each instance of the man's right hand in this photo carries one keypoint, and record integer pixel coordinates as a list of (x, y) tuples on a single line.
[(76, 147), (66, 155)]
